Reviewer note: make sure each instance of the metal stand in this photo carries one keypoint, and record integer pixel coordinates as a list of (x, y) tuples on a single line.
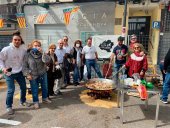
[(123, 91)]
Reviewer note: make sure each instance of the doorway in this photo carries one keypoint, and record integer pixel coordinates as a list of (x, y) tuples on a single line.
[(140, 26)]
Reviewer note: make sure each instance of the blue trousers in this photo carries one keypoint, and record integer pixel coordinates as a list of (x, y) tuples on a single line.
[(11, 88), (166, 87), (35, 87), (92, 63)]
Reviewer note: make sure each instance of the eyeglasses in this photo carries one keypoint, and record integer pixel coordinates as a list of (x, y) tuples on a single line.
[(134, 39), (65, 39)]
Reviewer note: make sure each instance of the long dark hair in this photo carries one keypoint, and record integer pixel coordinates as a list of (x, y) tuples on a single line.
[(19, 35)]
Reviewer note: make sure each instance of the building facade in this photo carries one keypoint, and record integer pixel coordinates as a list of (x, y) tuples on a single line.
[(98, 17)]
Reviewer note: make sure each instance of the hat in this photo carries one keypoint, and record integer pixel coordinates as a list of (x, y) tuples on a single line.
[(133, 36), (120, 38)]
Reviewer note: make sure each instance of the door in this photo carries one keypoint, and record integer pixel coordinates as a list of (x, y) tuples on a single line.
[(140, 26), (49, 33)]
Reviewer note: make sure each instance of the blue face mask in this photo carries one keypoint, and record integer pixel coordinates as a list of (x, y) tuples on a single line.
[(35, 50)]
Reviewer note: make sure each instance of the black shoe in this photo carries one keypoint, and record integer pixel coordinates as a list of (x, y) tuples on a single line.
[(69, 83), (64, 87), (76, 83), (58, 93)]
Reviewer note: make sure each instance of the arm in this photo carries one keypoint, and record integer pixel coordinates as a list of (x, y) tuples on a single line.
[(112, 58), (45, 58), (145, 66), (3, 57), (25, 67), (96, 55), (167, 60)]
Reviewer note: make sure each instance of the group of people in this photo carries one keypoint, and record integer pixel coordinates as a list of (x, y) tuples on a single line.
[(39, 68), (132, 58), (19, 63)]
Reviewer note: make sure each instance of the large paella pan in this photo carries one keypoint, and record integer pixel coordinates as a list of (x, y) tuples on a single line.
[(100, 84)]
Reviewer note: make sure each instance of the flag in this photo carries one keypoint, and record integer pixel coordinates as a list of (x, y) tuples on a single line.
[(21, 20), (67, 14), (41, 17), (1, 22), (75, 9)]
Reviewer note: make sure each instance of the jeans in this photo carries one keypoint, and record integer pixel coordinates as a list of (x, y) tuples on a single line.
[(35, 87), (92, 63), (11, 88), (76, 76), (166, 87), (116, 69)]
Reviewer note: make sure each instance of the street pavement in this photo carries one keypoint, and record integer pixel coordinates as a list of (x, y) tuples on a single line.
[(68, 111)]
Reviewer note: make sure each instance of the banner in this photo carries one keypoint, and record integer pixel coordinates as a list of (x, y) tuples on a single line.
[(21, 20), (41, 17), (67, 13), (104, 44), (1, 22)]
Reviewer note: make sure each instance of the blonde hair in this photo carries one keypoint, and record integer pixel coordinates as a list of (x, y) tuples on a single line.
[(51, 46), (34, 41), (137, 44)]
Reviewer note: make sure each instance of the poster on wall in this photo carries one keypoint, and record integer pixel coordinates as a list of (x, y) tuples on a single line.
[(104, 44)]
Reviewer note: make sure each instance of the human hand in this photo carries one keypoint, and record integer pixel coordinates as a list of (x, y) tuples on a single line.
[(5, 70), (142, 53), (141, 73), (29, 77), (57, 67), (40, 49)]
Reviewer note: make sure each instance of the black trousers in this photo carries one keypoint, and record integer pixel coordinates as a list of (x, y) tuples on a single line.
[(50, 83)]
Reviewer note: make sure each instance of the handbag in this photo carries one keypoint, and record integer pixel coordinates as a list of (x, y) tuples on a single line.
[(57, 74)]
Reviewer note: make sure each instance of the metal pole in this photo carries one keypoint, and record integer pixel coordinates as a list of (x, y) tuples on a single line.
[(124, 19), (125, 13)]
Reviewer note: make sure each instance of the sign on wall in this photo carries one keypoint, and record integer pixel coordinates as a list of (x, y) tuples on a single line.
[(105, 44), (156, 24)]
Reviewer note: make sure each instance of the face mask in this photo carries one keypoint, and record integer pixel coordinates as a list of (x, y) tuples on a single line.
[(77, 45), (35, 50)]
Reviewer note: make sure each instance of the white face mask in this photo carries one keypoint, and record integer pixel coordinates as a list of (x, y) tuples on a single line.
[(77, 45)]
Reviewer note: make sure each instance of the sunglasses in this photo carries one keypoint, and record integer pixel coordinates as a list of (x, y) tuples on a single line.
[(136, 47), (53, 48)]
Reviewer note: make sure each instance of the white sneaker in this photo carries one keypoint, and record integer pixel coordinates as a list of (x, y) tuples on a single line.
[(10, 111)]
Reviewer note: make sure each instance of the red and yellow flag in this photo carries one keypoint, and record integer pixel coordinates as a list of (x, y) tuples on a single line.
[(1, 22), (21, 20), (75, 9), (41, 17), (67, 13)]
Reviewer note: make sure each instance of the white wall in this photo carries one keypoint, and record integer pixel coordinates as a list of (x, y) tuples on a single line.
[(92, 18)]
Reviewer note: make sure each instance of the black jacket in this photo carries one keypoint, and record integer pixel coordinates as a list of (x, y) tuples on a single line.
[(51, 63), (167, 62)]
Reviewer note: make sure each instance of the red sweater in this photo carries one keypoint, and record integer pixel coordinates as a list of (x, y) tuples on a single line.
[(136, 63)]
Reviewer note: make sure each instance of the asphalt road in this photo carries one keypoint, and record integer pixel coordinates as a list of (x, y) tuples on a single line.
[(68, 111)]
